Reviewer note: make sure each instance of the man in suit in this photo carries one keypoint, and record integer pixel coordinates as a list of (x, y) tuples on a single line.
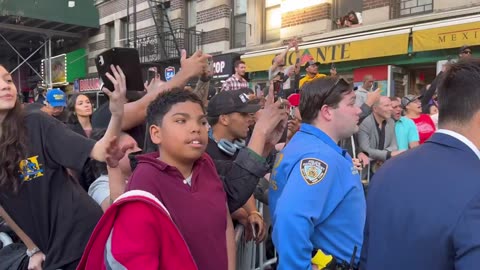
[(424, 206), (377, 133)]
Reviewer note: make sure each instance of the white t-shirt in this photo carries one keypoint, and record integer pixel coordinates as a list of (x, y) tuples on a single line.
[(286, 70), (99, 190)]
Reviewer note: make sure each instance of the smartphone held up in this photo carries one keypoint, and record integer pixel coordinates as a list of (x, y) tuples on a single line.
[(129, 61)]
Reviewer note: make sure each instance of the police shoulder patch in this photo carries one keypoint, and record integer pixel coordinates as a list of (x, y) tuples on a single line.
[(313, 170)]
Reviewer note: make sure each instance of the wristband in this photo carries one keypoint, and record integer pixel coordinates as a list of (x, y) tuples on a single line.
[(256, 213), (33, 251)]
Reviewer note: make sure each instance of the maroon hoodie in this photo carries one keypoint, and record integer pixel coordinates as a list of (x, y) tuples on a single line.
[(199, 211)]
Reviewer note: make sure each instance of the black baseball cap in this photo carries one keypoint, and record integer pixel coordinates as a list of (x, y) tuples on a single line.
[(311, 62), (463, 48), (227, 102)]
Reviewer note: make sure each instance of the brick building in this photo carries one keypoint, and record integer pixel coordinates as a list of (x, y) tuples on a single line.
[(395, 37), (401, 42)]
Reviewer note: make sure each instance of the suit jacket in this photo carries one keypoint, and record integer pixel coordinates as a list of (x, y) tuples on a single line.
[(368, 138), (423, 209)]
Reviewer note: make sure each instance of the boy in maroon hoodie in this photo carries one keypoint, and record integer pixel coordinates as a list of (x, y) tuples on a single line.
[(182, 177)]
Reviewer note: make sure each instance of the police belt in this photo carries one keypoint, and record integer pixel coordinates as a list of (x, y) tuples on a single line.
[(329, 262)]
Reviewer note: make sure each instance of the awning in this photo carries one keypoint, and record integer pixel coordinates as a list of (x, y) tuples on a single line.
[(340, 49), (447, 34)]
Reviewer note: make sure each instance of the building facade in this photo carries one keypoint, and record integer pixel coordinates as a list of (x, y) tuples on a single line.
[(399, 41)]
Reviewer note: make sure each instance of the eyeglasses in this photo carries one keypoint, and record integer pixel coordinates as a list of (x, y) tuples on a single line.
[(467, 52), (340, 82)]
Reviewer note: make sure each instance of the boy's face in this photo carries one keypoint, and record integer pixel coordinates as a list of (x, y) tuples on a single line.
[(183, 136)]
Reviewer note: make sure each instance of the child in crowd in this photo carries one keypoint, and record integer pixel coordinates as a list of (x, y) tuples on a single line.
[(181, 179)]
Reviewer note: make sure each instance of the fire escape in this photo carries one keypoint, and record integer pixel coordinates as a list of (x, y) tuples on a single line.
[(164, 46)]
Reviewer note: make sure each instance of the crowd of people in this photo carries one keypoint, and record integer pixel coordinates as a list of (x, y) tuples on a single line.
[(160, 179)]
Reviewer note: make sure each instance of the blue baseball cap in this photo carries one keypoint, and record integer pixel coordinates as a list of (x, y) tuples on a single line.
[(56, 98)]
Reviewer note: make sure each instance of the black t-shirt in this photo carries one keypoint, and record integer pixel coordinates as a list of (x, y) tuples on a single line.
[(36, 107), (101, 118), (52, 209)]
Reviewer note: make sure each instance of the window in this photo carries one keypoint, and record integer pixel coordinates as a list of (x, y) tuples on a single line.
[(110, 31), (343, 7), (273, 20), (239, 23), (124, 32), (191, 13)]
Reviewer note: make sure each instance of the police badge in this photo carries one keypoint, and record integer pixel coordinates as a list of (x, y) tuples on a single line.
[(313, 170)]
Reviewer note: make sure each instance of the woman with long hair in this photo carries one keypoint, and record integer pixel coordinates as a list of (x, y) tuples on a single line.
[(80, 109), (51, 214)]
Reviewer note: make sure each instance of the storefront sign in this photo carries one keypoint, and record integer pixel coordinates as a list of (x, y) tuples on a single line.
[(223, 65), (329, 52), (169, 73), (84, 85), (454, 36), (58, 68)]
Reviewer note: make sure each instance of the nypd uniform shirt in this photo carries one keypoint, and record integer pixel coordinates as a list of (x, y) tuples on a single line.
[(317, 201), (53, 210)]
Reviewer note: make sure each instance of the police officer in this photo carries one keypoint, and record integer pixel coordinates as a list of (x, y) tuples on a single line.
[(316, 195)]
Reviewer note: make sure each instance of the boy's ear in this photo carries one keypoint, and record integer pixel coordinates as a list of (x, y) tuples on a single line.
[(155, 134)]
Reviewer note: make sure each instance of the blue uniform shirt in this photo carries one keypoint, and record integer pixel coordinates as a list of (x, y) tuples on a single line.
[(316, 200)]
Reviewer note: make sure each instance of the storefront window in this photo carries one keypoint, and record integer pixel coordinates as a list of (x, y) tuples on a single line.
[(273, 20)]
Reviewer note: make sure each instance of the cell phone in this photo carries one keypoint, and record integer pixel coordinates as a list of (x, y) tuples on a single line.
[(129, 61), (291, 115), (210, 65), (332, 66), (375, 86)]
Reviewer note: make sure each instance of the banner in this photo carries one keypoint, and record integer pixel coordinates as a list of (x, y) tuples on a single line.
[(454, 36)]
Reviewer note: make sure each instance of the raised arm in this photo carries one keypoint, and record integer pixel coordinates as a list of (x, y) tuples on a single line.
[(278, 60), (136, 112)]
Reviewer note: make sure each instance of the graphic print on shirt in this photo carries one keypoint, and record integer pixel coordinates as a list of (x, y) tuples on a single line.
[(313, 170), (30, 169), (424, 127)]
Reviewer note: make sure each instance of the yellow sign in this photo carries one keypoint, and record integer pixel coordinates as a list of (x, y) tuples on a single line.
[(454, 36), (347, 51)]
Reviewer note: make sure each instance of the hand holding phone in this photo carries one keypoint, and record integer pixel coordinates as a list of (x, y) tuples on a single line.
[(128, 60)]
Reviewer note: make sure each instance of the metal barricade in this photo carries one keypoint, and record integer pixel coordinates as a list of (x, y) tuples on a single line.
[(251, 256)]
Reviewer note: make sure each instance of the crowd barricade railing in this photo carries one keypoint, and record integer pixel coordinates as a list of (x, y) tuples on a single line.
[(251, 256)]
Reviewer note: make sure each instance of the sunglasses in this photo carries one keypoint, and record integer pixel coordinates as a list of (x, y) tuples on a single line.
[(340, 82), (467, 52)]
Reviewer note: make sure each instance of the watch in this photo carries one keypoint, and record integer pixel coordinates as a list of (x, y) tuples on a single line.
[(33, 251)]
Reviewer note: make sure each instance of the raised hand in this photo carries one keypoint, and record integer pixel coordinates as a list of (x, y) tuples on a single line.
[(154, 84), (196, 65), (116, 98)]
